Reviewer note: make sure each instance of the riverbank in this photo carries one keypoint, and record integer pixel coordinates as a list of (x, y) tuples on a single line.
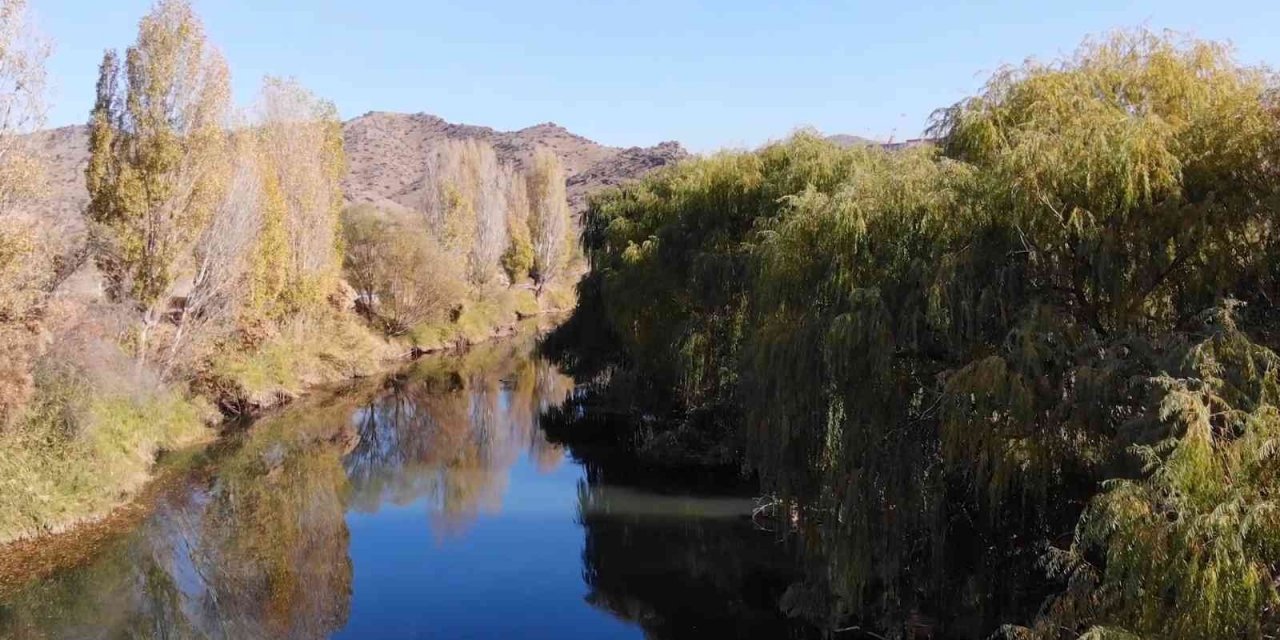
[(73, 485), (27, 559)]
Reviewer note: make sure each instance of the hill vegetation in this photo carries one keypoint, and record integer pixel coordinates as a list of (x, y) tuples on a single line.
[(1048, 340)]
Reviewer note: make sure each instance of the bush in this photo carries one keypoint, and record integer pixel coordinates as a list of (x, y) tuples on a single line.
[(89, 435), (34, 258), (324, 347), (518, 260), (401, 274)]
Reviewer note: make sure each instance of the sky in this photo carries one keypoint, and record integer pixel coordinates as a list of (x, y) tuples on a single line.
[(710, 74)]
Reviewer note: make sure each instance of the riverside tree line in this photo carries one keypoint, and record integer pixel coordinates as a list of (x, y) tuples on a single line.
[(1048, 339), (232, 272)]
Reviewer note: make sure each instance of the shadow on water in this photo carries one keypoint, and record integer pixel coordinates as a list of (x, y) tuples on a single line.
[(686, 567), (950, 579), (429, 503)]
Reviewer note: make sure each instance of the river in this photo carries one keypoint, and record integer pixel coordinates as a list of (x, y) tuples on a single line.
[(426, 505)]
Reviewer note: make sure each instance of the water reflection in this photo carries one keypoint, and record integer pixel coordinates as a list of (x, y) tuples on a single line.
[(448, 433), (257, 551), (430, 504), (685, 567)]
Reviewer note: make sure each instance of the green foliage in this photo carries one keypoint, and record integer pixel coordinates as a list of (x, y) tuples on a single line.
[(157, 152), (89, 437), (269, 260), (1134, 173), (985, 329), (1199, 529), (517, 261)]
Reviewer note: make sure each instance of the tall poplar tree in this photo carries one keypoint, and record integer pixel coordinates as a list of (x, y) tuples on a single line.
[(158, 157), (301, 163), (550, 222)]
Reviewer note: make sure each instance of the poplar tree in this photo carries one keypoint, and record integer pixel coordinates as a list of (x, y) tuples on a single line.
[(301, 163), (518, 258), (158, 158), (550, 223), (466, 205)]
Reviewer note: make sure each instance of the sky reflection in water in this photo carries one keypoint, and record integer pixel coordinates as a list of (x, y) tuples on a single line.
[(426, 506)]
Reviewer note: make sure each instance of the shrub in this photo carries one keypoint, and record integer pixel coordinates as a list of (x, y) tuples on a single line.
[(89, 435), (402, 276), (326, 346)]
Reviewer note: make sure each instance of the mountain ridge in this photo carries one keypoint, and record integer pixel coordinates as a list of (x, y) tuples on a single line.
[(386, 159), (388, 151)]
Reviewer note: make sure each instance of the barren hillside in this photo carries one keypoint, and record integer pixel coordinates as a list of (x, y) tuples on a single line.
[(66, 153), (387, 154)]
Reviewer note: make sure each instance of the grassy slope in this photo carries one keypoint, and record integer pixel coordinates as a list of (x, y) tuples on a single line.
[(85, 448), (76, 457)]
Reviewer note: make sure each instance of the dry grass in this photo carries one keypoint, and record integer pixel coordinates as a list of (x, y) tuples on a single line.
[(302, 354), (491, 315), (89, 437)]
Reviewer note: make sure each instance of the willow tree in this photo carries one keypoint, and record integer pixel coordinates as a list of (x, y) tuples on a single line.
[(1199, 528), (982, 335), (1135, 183), (1135, 172), (551, 225), (26, 264), (301, 163), (158, 158)]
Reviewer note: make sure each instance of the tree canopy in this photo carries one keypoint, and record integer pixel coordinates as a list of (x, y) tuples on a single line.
[(1066, 299)]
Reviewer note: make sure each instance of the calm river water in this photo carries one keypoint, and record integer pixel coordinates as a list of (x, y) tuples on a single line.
[(429, 505)]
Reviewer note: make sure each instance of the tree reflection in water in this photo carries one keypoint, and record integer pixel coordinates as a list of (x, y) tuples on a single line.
[(449, 430), (673, 549), (255, 543), (257, 550)]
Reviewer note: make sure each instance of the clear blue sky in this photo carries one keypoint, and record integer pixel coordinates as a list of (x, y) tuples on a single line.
[(633, 72)]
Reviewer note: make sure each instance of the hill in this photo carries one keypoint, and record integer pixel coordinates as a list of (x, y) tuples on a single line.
[(387, 154)]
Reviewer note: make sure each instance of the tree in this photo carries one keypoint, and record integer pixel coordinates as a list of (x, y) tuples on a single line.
[(223, 257), (301, 162), (967, 348), (29, 266), (158, 158), (517, 261), (550, 223), (466, 205), (401, 274)]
